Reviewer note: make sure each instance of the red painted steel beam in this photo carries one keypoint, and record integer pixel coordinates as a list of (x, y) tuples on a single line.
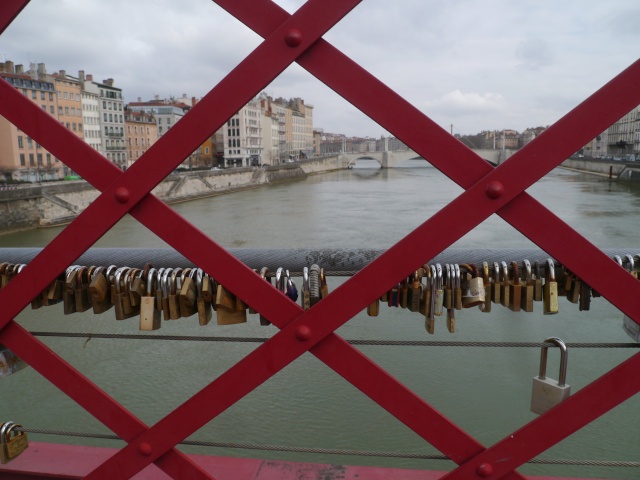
[(9, 11)]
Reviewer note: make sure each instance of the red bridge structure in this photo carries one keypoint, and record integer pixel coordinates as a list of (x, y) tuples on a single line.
[(298, 38)]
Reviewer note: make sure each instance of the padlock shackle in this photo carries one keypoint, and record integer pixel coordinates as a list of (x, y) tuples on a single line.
[(563, 360)]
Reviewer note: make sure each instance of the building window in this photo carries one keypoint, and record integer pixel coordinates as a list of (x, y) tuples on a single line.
[(52, 110), (22, 160), (40, 159), (31, 160), (20, 142), (34, 94), (66, 111), (48, 159), (65, 95), (29, 142)]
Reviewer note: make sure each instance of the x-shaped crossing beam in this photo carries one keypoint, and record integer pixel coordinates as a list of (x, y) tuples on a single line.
[(389, 271)]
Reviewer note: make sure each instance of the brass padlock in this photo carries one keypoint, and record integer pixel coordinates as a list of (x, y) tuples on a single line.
[(68, 295), (224, 298), (99, 290), (550, 289), (83, 301), (473, 293), (12, 441), (403, 294), (527, 287), (324, 288), (486, 279), (505, 297), (373, 309), (439, 293), (203, 304), (430, 308), (150, 318), (415, 293), (121, 303), (314, 284), (537, 283), (305, 298), (187, 296), (515, 289)]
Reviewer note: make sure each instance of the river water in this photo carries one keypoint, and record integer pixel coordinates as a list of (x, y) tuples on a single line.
[(486, 391)]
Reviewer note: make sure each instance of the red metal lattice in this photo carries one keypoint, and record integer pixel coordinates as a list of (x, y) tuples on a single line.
[(312, 330)]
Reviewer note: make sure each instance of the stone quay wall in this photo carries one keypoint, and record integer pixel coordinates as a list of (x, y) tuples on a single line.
[(58, 203)]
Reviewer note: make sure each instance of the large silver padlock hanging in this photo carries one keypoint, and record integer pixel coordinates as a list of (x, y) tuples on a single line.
[(548, 393)]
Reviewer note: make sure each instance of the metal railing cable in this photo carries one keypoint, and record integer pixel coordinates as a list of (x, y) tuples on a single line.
[(363, 342), (331, 451)]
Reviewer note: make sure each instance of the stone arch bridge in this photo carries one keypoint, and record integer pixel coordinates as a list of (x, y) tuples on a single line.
[(392, 159)]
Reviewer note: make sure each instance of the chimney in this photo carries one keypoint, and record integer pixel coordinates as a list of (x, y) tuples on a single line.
[(9, 67), (81, 75), (139, 99), (42, 70), (193, 101), (63, 73), (19, 69), (89, 78), (157, 98), (108, 82)]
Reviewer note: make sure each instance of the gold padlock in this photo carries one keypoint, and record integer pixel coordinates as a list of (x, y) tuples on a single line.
[(12, 442)]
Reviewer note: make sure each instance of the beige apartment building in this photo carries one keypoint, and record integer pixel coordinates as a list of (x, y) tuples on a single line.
[(141, 131), (21, 157)]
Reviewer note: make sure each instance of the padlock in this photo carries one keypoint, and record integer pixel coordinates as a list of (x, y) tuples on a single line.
[(486, 279), (505, 297), (546, 392), (515, 289), (393, 296), (537, 283), (158, 290), (264, 273), (495, 288), (138, 284), (68, 295), (305, 299), (473, 293), (54, 292), (130, 308), (12, 441), (550, 289), (175, 283), (166, 289), (573, 293), (6, 273), (425, 300), (314, 284), (447, 288), (207, 291), (403, 294), (415, 292), (324, 288), (451, 320), (119, 296), (203, 304), (430, 308), (457, 287), (99, 290), (224, 298), (439, 293), (187, 295), (527, 286), (373, 309), (150, 318), (82, 298), (585, 297)]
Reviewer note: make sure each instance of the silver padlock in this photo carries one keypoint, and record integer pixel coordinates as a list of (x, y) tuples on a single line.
[(548, 393)]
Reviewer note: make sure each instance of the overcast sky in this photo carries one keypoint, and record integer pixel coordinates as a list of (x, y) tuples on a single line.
[(476, 65)]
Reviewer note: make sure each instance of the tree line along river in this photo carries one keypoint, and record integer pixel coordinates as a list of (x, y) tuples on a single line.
[(486, 391)]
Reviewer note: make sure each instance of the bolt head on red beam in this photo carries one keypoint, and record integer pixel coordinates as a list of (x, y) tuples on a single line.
[(494, 190), (303, 333), (484, 470), (122, 194), (293, 37), (144, 449)]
